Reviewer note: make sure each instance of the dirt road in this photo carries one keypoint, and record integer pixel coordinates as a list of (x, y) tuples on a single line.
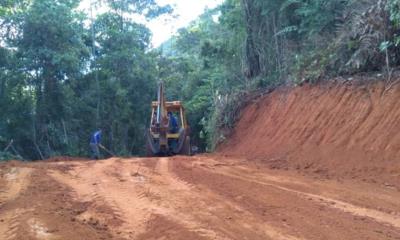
[(204, 197)]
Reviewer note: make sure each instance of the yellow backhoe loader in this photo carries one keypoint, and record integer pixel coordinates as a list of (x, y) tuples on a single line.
[(168, 133)]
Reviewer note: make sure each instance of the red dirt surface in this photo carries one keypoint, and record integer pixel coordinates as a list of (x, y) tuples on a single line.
[(341, 131), (188, 198)]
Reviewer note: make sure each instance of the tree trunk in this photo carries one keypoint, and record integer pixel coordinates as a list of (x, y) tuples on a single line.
[(252, 57)]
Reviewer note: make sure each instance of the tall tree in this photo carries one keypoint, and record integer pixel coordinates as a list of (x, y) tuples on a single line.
[(128, 79), (52, 49)]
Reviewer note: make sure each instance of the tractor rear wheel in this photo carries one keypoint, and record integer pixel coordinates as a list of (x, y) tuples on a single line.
[(149, 152), (186, 148)]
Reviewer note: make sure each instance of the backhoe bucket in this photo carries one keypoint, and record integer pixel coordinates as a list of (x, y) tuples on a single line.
[(179, 145)]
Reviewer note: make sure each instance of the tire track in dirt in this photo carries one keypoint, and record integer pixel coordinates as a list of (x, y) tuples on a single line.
[(236, 215), (126, 195), (38, 207), (13, 221), (382, 217), (39, 230), (10, 223), (129, 199), (16, 180), (353, 193), (85, 180), (154, 194), (296, 214), (174, 200), (137, 193)]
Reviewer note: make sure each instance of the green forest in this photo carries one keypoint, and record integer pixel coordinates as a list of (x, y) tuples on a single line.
[(65, 73)]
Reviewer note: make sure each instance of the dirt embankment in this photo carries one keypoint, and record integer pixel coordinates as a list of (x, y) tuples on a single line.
[(331, 130)]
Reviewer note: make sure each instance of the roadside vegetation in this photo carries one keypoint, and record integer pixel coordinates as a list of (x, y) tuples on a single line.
[(63, 74)]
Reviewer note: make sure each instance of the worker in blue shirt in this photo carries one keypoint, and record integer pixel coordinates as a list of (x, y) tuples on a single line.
[(95, 143), (173, 123)]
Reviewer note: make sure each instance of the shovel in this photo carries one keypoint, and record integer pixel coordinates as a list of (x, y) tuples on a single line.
[(105, 149)]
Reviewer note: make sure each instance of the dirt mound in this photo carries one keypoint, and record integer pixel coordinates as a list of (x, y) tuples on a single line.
[(332, 130)]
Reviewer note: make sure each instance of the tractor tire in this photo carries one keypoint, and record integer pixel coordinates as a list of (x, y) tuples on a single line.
[(186, 148), (149, 152)]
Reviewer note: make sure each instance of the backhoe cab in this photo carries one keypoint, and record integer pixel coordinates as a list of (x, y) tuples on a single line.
[(168, 133)]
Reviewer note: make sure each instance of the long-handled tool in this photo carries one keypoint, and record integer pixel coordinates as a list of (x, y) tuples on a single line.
[(105, 149)]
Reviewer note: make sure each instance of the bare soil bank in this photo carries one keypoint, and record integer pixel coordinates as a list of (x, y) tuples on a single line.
[(341, 131)]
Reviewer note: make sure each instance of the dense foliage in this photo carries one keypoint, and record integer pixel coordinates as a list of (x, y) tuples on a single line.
[(64, 74), (248, 45), (61, 79)]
